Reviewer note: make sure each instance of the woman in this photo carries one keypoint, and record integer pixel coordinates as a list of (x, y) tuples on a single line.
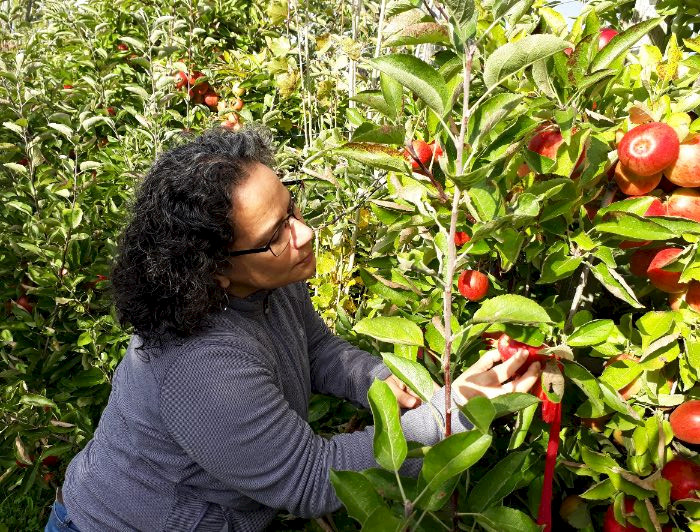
[(205, 427)]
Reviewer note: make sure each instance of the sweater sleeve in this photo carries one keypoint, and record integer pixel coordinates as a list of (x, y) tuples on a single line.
[(225, 408), (337, 367)]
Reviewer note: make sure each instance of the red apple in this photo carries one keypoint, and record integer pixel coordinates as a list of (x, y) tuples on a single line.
[(23, 301), (611, 525), (606, 35), (640, 260), (67, 86), (648, 149), (435, 149), (508, 347), (461, 238), (665, 280), (675, 300), (685, 422), (51, 461), (685, 171), (180, 79), (684, 477), (568, 51), (656, 208), (523, 170), (633, 184), (230, 122), (111, 111), (211, 99), (122, 47), (692, 296), (547, 143), (423, 152), (473, 284), (237, 105), (684, 202)]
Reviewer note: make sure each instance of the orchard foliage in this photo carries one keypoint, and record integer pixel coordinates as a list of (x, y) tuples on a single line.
[(436, 138), (554, 234)]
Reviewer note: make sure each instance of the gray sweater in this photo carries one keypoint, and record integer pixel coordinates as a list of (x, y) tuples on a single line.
[(213, 428)]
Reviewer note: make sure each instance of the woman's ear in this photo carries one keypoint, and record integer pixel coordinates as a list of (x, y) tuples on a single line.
[(222, 280), (221, 276)]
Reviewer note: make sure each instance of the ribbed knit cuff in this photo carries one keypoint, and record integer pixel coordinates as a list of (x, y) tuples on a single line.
[(380, 371), (460, 423)]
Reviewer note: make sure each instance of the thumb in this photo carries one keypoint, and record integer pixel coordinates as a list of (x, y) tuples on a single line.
[(407, 400)]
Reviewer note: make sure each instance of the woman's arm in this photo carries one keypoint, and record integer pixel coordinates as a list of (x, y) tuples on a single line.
[(226, 410), (337, 367)]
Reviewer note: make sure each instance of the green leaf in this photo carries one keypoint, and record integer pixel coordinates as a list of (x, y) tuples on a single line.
[(498, 482), (480, 412), (602, 490), (586, 381), (558, 265), (375, 284), (513, 402), (379, 134), (413, 374), (61, 128), (621, 43), (511, 308), (490, 113), (450, 457), (504, 519), (374, 155), (420, 33), (390, 446), (514, 56), (393, 94), (356, 493), (382, 520), (418, 76), (592, 333), (638, 227), (392, 329), (615, 284), (72, 217), (621, 372), (85, 338), (33, 399), (461, 10), (598, 462), (375, 100)]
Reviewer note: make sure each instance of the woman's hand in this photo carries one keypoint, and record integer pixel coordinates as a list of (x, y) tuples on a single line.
[(404, 395), (488, 378)]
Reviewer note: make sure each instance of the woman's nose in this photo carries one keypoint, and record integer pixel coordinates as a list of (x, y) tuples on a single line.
[(301, 233)]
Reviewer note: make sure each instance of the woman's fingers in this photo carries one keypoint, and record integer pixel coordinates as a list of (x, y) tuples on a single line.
[(506, 370), (528, 379), (485, 363)]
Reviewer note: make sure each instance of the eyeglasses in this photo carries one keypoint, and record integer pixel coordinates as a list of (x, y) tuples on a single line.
[(283, 234)]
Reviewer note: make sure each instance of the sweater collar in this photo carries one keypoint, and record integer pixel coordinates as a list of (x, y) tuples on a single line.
[(256, 302)]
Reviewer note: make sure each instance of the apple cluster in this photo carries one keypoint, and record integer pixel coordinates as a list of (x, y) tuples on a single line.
[(203, 92), (648, 154)]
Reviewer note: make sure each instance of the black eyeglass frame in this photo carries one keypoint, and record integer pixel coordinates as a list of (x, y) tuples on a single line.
[(268, 247)]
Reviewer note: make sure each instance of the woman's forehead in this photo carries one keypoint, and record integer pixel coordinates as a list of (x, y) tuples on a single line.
[(259, 200)]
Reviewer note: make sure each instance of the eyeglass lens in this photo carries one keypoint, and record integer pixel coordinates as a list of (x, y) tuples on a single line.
[(283, 235)]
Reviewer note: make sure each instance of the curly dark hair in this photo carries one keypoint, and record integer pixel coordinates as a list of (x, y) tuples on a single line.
[(179, 231)]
